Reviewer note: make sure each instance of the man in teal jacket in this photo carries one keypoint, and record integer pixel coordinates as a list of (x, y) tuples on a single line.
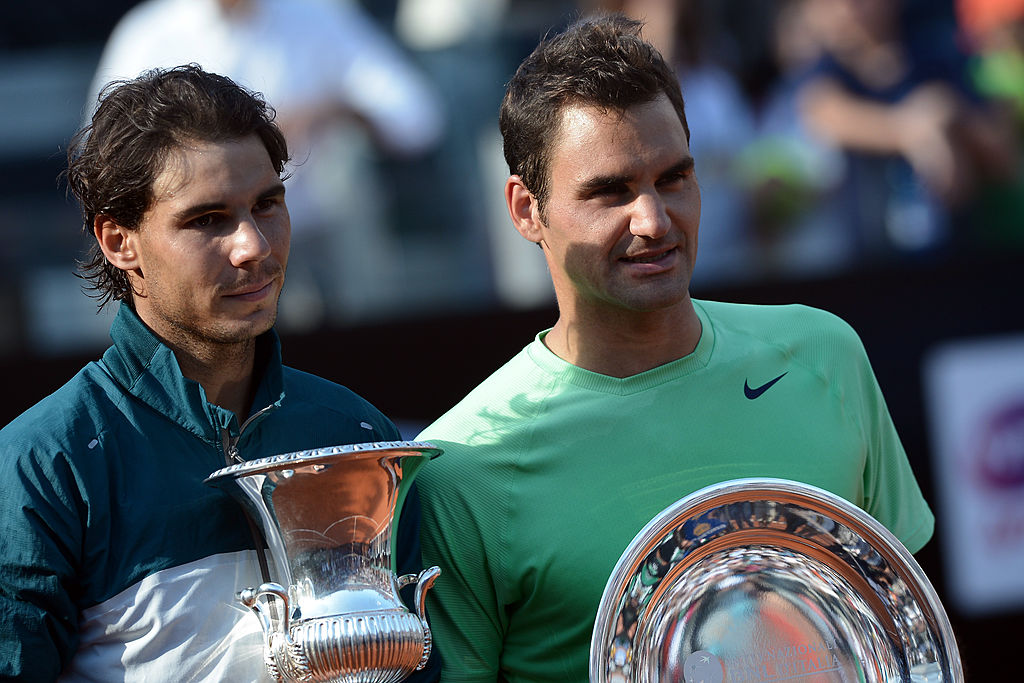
[(116, 561)]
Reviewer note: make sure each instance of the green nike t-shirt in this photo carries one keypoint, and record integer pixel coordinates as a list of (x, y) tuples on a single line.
[(550, 470)]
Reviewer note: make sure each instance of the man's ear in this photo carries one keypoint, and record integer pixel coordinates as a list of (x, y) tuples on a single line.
[(524, 209), (117, 243)]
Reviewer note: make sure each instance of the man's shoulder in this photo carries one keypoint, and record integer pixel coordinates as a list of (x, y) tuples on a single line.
[(315, 394), (315, 387), (494, 415), (83, 398), (56, 436), (761, 314), (513, 378), (779, 323)]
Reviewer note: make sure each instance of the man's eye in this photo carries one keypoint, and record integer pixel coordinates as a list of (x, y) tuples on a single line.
[(673, 178), (204, 221), (607, 191)]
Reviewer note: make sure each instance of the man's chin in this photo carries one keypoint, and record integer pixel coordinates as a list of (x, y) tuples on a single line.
[(238, 331), (655, 300)]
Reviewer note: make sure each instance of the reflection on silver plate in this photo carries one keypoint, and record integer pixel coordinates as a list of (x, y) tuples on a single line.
[(758, 580)]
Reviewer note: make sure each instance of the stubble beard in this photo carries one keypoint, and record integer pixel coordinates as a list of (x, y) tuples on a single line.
[(220, 337)]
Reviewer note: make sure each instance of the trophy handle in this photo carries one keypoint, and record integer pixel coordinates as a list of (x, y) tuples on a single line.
[(280, 650), (424, 580), (250, 598)]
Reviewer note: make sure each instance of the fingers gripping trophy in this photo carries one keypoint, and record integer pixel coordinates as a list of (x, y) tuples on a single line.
[(335, 614)]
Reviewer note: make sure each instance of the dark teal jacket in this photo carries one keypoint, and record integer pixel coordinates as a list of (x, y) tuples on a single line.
[(107, 529)]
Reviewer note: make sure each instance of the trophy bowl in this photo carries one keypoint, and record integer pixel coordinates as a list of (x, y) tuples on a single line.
[(334, 613), (757, 580)]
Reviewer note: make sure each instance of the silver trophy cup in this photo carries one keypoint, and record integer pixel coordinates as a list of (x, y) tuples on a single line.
[(334, 614)]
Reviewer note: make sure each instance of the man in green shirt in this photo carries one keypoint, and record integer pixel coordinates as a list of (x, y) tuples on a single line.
[(638, 395)]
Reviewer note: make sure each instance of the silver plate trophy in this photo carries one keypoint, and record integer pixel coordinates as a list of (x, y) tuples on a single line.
[(757, 580), (334, 614)]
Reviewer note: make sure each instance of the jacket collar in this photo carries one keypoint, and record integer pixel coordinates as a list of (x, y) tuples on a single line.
[(148, 370)]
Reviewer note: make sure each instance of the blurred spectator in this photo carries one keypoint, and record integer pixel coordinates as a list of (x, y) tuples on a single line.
[(346, 95), (470, 49), (459, 43), (994, 34), (918, 142), (721, 121), (793, 176)]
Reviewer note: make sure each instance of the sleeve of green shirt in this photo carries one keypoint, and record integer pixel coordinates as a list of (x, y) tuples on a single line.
[(464, 607), (891, 492)]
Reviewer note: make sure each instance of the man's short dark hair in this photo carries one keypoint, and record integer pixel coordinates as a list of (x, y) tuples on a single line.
[(598, 62), (114, 161)]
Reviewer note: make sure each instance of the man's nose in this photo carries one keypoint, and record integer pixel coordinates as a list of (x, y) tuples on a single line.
[(649, 216), (249, 243)]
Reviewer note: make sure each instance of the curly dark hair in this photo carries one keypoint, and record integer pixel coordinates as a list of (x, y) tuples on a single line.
[(114, 161), (598, 61)]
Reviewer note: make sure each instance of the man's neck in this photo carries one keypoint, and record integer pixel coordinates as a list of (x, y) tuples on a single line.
[(625, 343), (226, 373)]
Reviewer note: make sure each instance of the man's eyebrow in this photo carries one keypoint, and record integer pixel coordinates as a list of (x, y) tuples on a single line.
[(273, 190), (197, 210), (682, 166), (597, 182), (685, 165), (276, 189)]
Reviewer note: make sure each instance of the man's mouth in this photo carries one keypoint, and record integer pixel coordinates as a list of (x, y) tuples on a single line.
[(255, 289), (649, 257)]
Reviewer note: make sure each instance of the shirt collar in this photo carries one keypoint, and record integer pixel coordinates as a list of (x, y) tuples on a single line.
[(148, 370)]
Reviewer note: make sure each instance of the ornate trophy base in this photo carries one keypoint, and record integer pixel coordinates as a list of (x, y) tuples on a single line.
[(353, 648)]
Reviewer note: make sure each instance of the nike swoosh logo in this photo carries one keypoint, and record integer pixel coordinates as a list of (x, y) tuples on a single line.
[(754, 393)]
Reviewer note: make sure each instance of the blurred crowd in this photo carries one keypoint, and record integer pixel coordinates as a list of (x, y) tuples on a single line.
[(828, 134), (858, 132)]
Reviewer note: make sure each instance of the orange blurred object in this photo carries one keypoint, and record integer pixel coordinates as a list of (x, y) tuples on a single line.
[(978, 17)]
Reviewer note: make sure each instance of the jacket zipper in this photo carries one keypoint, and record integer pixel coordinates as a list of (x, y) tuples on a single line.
[(230, 444), (231, 457)]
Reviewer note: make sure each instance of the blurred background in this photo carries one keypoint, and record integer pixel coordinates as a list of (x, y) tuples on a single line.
[(862, 156)]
